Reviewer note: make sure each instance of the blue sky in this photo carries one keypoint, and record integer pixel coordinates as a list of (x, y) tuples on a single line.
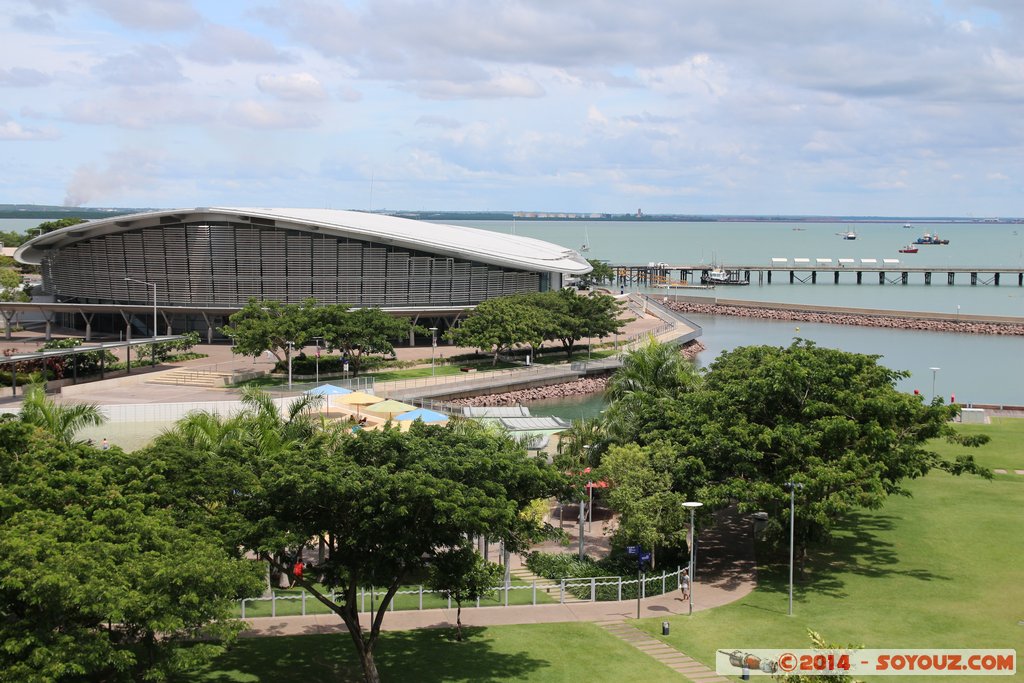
[(845, 107)]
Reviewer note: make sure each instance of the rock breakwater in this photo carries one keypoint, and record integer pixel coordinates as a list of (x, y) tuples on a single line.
[(578, 387), (862, 319)]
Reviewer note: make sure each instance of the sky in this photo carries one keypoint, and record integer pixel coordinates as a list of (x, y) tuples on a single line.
[(793, 107)]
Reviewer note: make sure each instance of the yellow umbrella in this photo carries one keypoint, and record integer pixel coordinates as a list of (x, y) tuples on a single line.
[(358, 398), (390, 408)]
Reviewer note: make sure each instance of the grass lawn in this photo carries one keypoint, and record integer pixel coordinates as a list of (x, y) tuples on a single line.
[(939, 569), (544, 653)]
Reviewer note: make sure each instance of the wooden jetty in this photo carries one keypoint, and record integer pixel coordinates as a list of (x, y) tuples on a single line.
[(794, 271)]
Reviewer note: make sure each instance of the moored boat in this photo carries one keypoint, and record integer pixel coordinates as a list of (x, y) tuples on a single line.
[(929, 238), (909, 249), (720, 276)]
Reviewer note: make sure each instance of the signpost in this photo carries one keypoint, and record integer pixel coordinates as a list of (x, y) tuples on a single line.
[(641, 557)]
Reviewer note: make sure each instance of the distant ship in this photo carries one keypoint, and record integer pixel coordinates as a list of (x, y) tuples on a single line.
[(929, 238), (909, 249), (849, 235), (907, 225)]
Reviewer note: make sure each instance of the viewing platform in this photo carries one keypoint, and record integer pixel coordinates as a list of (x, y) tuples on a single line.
[(807, 270)]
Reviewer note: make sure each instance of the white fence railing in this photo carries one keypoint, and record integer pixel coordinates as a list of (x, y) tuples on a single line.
[(569, 590)]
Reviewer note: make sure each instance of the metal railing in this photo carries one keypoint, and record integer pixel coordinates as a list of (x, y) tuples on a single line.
[(589, 589)]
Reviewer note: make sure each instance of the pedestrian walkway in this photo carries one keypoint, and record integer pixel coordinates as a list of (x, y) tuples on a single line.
[(725, 575), (674, 659)]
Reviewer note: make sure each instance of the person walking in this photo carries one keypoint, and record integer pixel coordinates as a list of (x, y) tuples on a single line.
[(105, 445), (684, 584)]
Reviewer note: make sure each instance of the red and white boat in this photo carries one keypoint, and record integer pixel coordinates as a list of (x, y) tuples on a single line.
[(909, 249)]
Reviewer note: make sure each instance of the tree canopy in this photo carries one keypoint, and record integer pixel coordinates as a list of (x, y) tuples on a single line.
[(763, 416), (497, 325), (386, 502), (97, 579)]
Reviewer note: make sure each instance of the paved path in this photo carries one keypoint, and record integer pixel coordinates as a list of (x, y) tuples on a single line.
[(685, 666), (725, 574)]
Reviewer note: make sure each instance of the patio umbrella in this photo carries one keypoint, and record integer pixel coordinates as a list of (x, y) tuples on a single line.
[(422, 414), (390, 408), (359, 398), (328, 390)]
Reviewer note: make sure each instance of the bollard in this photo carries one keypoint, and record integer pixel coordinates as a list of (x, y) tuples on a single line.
[(664, 628)]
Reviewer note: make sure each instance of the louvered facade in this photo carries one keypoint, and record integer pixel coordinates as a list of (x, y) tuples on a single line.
[(224, 263)]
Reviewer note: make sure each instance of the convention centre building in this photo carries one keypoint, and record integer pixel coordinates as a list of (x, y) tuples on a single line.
[(199, 265)]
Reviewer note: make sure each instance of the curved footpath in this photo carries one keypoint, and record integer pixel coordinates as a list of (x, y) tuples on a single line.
[(726, 572)]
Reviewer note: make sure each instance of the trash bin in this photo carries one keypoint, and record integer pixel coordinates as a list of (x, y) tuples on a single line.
[(664, 628)]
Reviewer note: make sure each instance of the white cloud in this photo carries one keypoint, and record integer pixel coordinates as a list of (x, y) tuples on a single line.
[(253, 114), (12, 130), (19, 77), (217, 44), (296, 87), (143, 66), (153, 15), (501, 85)]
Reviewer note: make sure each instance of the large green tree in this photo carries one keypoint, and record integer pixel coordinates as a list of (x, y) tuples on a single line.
[(500, 324), (831, 421), (385, 501), (269, 326), (98, 580), (359, 332), (568, 317)]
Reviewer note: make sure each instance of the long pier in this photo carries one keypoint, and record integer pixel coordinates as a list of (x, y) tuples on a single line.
[(809, 271)]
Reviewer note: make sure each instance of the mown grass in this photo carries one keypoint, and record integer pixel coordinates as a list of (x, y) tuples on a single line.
[(543, 653), (940, 569)]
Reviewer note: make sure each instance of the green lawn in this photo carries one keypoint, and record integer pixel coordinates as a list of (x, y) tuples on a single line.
[(544, 653), (940, 569)]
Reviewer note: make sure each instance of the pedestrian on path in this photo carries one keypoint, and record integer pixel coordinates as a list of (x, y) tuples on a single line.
[(684, 584)]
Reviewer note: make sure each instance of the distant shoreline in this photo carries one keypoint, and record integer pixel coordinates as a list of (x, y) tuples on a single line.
[(43, 212)]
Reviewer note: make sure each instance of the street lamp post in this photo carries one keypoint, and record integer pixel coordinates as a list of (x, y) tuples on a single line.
[(433, 346), (693, 505), (316, 340), (935, 371), (792, 487), (153, 285), (291, 347)]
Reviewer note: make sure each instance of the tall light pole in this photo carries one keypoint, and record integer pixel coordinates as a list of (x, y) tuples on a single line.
[(316, 340), (291, 347), (693, 505), (935, 371), (433, 346), (153, 285), (792, 487)]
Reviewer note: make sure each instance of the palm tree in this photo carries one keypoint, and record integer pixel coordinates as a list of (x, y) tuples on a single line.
[(654, 368), (64, 421)]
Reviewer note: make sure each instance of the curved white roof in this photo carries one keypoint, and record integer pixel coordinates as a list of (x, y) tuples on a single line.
[(510, 251)]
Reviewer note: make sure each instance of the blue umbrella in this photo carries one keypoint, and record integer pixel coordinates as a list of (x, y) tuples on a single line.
[(422, 414), (328, 390)]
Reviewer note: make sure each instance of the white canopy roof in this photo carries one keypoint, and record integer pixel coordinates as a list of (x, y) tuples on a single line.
[(510, 251)]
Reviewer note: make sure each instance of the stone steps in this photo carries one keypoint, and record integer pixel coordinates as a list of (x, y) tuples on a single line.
[(192, 378), (660, 651)]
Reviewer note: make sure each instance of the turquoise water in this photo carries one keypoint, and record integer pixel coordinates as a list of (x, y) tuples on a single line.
[(754, 243)]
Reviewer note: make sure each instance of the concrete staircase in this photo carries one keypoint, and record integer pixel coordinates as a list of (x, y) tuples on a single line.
[(209, 379), (685, 666)]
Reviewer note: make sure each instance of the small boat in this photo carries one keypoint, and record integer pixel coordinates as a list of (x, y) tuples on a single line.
[(907, 225), (909, 249), (720, 276), (929, 238), (849, 235)]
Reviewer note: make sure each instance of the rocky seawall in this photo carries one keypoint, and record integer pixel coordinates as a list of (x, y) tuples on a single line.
[(579, 387), (862, 319)]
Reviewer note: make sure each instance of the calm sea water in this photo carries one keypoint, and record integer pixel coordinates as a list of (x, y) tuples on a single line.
[(976, 368)]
